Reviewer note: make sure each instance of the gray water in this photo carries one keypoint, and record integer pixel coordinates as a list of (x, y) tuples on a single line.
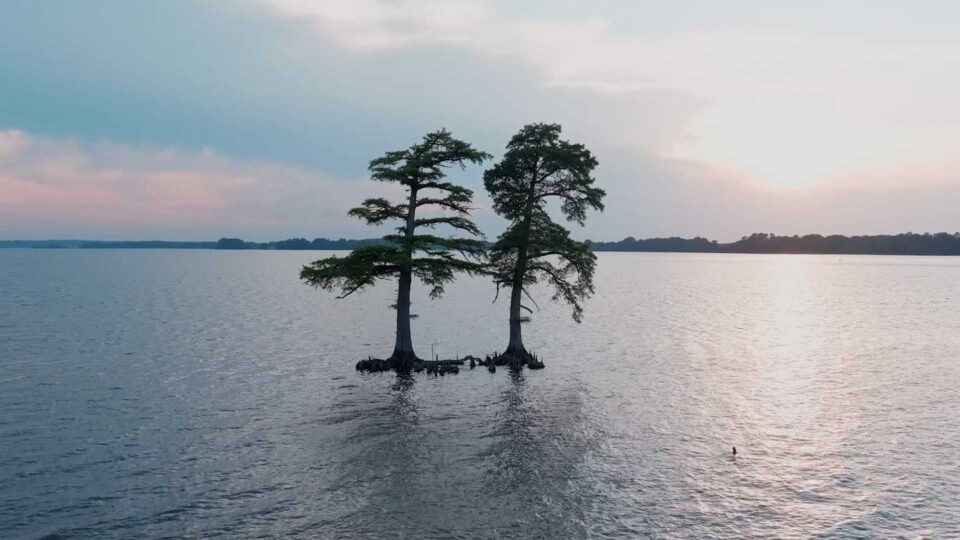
[(209, 394)]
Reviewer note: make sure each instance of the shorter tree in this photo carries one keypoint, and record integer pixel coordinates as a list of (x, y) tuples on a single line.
[(434, 259), (538, 167)]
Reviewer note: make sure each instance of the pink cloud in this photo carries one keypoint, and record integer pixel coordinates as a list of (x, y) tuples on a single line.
[(23, 195), (188, 189), (76, 186), (58, 187)]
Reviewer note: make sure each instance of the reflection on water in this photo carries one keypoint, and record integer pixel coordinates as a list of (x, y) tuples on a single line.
[(166, 393)]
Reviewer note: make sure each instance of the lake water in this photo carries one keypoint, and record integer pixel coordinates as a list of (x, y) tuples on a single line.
[(208, 393)]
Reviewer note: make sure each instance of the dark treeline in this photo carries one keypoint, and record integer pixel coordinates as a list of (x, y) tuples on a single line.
[(104, 244), (298, 243), (673, 244), (900, 244), (146, 244), (223, 243)]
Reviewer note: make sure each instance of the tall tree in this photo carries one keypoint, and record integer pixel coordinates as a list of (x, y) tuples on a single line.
[(434, 259), (538, 167)]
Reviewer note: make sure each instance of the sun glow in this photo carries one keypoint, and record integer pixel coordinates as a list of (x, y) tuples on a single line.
[(781, 143)]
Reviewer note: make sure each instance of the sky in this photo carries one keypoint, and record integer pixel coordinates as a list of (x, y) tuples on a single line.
[(192, 120)]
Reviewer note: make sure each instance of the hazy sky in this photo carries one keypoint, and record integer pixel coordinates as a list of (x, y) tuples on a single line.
[(200, 119)]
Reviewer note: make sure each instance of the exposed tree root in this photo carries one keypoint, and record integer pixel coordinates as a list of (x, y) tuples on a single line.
[(514, 358), (407, 363)]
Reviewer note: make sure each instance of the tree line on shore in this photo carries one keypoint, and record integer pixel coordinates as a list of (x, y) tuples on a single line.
[(299, 244), (941, 243), (898, 244), (223, 243)]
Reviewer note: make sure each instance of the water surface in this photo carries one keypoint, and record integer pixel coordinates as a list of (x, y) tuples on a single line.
[(208, 393)]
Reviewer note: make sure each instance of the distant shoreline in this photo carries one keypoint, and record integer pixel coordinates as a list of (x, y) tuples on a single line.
[(760, 243)]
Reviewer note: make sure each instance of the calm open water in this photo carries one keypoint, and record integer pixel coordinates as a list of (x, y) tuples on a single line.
[(209, 394)]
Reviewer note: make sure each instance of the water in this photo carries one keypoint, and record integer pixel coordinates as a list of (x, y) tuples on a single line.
[(209, 394)]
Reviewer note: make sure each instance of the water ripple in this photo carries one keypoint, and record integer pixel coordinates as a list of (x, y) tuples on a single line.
[(209, 394)]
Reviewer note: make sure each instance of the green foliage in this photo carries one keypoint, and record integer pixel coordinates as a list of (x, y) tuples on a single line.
[(434, 259), (538, 167), (356, 271)]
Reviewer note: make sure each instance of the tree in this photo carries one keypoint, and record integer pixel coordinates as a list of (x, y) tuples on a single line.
[(434, 259), (539, 166)]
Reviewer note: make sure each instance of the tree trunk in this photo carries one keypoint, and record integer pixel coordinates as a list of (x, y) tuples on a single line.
[(516, 339), (516, 353), (403, 356)]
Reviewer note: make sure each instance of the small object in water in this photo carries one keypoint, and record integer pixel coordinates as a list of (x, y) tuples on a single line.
[(734, 450)]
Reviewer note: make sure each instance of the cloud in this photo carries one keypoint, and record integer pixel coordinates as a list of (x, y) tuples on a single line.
[(52, 187), (678, 197), (592, 50), (722, 120), (12, 143), (790, 102), (371, 25), (55, 186)]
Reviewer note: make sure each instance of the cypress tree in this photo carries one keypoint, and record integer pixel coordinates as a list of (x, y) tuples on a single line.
[(414, 250), (539, 167)]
